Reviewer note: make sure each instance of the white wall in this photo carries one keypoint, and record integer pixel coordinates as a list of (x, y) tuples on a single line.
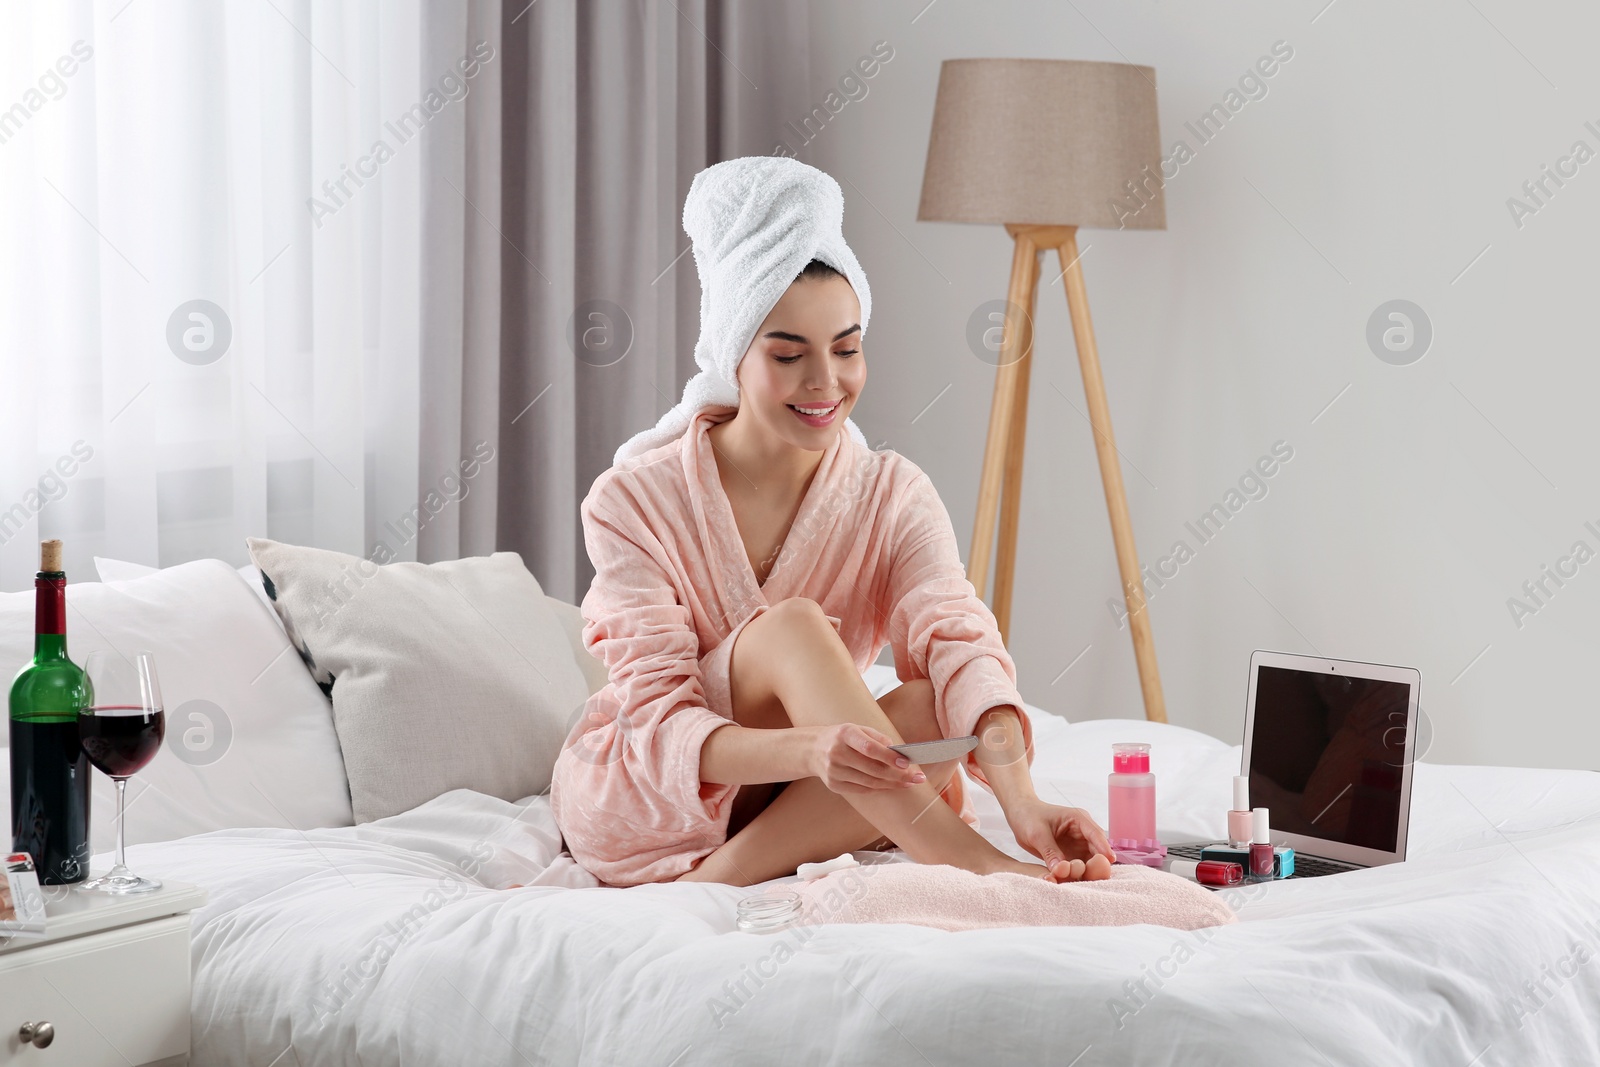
[(1417, 504)]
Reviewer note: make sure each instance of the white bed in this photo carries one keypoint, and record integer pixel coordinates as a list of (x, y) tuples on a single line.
[(306, 941), (395, 943)]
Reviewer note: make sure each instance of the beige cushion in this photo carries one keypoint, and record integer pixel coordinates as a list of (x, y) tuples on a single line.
[(571, 619), (454, 675)]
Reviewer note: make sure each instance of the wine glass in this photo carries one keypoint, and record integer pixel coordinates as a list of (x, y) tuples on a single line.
[(121, 731)]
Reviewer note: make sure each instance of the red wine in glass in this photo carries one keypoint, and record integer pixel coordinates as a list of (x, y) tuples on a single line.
[(120, 730), (121, 738)]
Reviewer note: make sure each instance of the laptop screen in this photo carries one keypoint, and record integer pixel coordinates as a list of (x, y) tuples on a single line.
[(1327, 755)]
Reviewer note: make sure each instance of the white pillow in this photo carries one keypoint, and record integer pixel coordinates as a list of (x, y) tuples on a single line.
[(452, 675), (120, 570), (250, 739)]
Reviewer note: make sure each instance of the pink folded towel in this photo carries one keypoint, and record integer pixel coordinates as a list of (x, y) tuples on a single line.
[(949, 898)]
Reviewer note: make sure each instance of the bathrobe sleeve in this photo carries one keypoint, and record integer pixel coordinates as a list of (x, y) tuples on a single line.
[(635, 622), (939, 628)]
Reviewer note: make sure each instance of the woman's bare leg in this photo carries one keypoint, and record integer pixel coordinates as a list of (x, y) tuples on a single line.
[(789, 667), (808, 822)]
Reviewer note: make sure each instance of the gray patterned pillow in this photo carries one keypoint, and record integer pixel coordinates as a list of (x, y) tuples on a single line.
[(453, 675)]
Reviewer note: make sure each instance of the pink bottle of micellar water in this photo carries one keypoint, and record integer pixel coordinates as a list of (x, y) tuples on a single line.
[(1132, 788)]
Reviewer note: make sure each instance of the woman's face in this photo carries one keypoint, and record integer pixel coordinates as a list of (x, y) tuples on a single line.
[(807, 354)]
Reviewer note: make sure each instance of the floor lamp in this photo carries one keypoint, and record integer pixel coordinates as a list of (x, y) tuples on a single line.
[(1045, 146)]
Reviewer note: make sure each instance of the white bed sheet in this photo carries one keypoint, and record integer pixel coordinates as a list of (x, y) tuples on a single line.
[(306, 942)]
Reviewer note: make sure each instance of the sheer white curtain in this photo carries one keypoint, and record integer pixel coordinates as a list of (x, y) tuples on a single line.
[(154, 154), (409, 320)]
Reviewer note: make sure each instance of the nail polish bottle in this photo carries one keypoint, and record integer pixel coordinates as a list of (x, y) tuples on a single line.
[(1208, 872), (1239, 831), (1260, 847)]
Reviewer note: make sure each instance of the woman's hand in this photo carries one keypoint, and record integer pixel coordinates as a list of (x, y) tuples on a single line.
[(1058, 835), (850, 758)]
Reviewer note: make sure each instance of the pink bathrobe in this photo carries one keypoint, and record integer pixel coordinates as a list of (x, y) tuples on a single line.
[(872, 544)]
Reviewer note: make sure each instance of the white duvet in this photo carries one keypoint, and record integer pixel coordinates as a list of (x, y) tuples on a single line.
[(391, 943)]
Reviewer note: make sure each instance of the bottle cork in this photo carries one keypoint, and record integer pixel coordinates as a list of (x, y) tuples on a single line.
[(50, 555)]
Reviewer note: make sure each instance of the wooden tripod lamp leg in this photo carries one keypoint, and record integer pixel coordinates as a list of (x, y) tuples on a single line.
[(1024, 281), (1094, 391), (1005, 562)]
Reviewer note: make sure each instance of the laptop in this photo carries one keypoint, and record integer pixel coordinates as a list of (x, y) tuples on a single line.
[(1329, 747)]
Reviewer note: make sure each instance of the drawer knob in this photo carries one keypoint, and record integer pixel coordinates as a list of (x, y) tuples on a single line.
[(38, 1034)]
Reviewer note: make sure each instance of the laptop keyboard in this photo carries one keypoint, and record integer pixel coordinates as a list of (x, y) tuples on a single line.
[(1312, 867), (1187, 852), (1304, 866)]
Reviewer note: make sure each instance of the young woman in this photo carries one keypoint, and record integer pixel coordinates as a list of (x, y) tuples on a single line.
[(747, 571)]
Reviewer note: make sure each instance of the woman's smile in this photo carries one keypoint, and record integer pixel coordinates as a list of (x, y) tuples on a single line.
[(817, 414)]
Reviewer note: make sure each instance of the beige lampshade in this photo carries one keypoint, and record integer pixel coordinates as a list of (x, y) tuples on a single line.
[(1056, 142)]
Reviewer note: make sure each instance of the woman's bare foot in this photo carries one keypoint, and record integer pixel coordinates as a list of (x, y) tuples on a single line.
[(1096, 868)]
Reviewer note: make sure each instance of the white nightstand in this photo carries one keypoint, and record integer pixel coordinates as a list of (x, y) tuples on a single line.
[(111, 978)]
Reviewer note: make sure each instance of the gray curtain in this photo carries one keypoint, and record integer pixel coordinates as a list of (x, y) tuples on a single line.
[(566, 201)]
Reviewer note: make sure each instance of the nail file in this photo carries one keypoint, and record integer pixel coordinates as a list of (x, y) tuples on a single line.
[(946, 748)]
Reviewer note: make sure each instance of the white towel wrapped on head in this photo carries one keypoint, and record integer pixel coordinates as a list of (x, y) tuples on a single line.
[(755, 222)]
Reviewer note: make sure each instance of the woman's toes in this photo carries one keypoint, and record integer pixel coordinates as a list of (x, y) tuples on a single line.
[(1095, 868), (1033, 870)]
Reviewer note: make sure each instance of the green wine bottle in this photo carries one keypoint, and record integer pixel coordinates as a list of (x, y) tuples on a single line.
[(49, 769)]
